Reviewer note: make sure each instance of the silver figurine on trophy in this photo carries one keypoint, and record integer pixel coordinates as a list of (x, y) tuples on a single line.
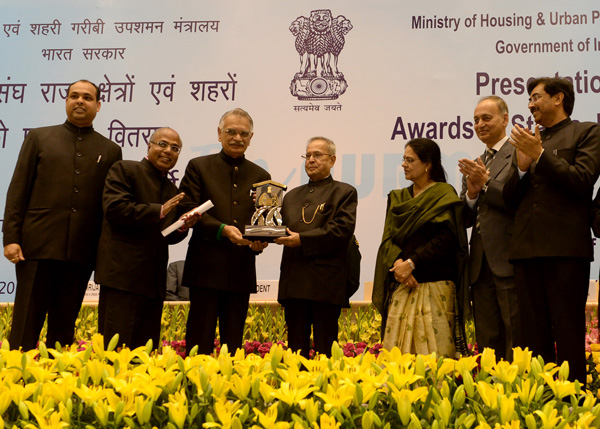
[(267, 221)]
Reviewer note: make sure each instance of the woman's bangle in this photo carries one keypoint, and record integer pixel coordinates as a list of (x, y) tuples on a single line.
[(410, 262)]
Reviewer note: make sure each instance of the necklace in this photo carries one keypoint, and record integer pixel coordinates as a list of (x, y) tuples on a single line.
[(319, 207)]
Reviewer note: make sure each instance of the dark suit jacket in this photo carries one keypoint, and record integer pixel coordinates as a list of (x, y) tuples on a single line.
[(175, 289), (496, 220), (133, 254), (553, 199), (214, 262), (317, 269), (53, 204)]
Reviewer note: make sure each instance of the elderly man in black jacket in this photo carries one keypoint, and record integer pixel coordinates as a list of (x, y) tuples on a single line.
[(321, 218), (220, 263)]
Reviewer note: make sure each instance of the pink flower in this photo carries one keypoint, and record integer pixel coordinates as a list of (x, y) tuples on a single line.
[(376, 349), (265, 348), (249, 347)]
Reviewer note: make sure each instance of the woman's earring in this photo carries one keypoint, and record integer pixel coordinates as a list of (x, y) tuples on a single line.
[(425, 170)]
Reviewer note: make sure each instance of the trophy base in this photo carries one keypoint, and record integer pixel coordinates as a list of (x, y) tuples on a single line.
[(264, 233)]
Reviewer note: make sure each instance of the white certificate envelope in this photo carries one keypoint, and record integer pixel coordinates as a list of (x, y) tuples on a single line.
[(176, 225)]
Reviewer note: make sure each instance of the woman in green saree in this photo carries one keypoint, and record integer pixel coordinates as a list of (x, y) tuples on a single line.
[(420, 286)]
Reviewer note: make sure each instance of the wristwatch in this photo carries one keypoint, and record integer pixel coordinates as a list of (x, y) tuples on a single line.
[(484, 188)]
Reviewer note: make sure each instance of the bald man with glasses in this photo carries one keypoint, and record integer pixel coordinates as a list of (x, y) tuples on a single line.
[(139, 201)]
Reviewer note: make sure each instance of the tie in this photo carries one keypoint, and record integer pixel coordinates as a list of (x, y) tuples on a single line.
[(489, 157)]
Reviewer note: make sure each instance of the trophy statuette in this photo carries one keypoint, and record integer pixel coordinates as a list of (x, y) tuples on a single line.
[(266, 220)]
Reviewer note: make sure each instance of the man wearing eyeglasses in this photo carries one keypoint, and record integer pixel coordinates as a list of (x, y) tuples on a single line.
[(139, 201), (495, 305), (321, 218), (551, 183), (53, 217), (220, 266)]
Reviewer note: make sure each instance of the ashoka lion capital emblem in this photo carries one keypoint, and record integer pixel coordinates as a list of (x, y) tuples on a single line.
[(319, 41)]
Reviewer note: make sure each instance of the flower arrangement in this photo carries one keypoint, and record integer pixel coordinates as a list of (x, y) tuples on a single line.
[(98, 387), (264, 323)]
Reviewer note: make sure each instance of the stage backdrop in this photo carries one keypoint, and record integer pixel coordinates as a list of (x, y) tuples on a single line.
[(369, 75)]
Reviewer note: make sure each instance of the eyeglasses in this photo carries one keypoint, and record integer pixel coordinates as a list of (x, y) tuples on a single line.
[(316, 155), (535, 97), (233, 132), (163, 145), (409, 160)]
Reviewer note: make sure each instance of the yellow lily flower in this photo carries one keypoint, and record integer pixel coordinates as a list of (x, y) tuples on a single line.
[(38, 411), (585, 420), (116, 383), (395, 357), (98, 345), (336, 398), (369, 388), (126, 397), (405, 398), (62, 388), (95, 370), (5, 400), (489, 394), (468, 363), (193, 375), (296, 377), (504, 371), (526, 391), (65, 411), (220, 385), (560, 388), (311, 408), (269, 420), (226, 410), (178, 409), (20, 393), (530, 421), (327, 422), (290, 395), (514, 424), (101, 410), (507, 408), (52, 422), (402, 377), (143, 409), (549, 418), (443, 411), (67, 360), (126, 355), (522, 358), (488, 359), (563, 372), (430, 361), (152, 390), (240, 387), (225, 362), (266, 390), (41, 374), (91, 394)]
